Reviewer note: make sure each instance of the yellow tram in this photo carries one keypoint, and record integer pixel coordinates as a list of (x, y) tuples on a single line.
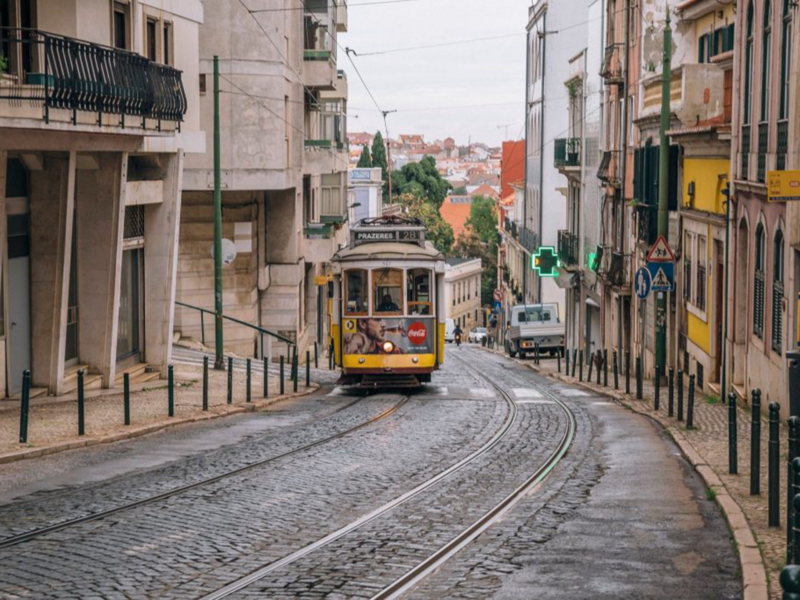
[(387, 319)]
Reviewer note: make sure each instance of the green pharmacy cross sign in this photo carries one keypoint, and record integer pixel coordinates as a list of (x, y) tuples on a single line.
[(545, 262)]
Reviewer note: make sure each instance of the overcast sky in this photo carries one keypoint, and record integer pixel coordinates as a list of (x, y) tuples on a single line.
[(428, 86)]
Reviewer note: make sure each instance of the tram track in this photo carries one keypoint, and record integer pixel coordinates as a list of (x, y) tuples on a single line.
[(425, 568), (21, 538)]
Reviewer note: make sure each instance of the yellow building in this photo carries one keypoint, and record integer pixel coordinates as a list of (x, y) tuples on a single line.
[(704, 141)]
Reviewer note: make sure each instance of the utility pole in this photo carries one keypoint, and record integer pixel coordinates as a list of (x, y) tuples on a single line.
[(663, 189), (219, 361)]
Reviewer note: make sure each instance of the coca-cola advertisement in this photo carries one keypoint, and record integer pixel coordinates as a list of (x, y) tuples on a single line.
[(375, 335)]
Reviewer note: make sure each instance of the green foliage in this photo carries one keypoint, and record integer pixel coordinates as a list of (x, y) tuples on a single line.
[(439, 232), (3, 63), (480, 241), (379, 160), (460, 191), (421, 179), (365, 161)]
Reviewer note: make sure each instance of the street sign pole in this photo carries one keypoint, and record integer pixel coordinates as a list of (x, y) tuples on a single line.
[(219, 363), (663, 188)]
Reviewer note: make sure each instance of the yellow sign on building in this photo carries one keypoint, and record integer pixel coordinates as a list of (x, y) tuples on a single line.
[(783, 186)]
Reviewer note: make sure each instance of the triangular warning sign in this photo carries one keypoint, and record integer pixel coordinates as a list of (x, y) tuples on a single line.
[(660, 252), (661, 280)]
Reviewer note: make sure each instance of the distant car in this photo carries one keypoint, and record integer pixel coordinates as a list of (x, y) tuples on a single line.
[(450, 330), (477, 335)]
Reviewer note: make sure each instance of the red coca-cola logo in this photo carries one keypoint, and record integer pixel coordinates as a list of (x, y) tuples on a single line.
[(417, 333)]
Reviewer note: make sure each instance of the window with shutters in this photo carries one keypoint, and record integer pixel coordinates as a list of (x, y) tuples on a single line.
[(777, 294), (758, 285), (700, 292), (688, 245)]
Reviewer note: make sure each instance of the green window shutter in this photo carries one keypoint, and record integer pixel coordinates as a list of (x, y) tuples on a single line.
[(637, 174), (674, 192), (701, 50)]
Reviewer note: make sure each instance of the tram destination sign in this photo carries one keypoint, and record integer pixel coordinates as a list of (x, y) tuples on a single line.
[(374, 235)]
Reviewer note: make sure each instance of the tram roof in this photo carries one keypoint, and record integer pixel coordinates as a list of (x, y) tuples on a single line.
[(389, 251)]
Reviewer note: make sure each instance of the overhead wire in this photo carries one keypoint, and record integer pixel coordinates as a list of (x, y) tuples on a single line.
[(349, 6)]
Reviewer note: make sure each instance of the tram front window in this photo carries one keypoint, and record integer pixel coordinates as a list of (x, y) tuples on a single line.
[(357, 292), (419, 292), (387, 285)]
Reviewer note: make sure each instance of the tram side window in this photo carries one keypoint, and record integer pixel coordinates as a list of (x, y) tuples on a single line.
[(357, 291), (388, 291), (419, 292)]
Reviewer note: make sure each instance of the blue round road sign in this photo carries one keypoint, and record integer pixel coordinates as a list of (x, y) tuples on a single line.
[(642, 283)]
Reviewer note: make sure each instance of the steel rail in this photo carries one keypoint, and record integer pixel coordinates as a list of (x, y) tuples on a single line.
[(30, 535), (258, 574), (437, 559)]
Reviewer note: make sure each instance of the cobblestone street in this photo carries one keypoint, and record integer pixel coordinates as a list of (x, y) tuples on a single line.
[(340, 494)]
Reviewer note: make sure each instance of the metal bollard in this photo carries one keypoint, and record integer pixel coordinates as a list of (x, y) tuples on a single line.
[(170, 391), (616, 371), (249, 391), (230, 380), (282, 380), (574, 361), (733, 456), (690, 404), (316, 355), (790, 582), (566, 358), (755, 443), (308, 369), (774, 482), (591, 366), (580, 365), (671, 392), (795, 559), (81, 405), (639, 383), (330, 358), (794, 431), (24, 407), (680, 395), (126, 397), (605, 368), (294, 370), (266, 378), (627, 371), (205, 383), (558, 359), (599, 360), (657, 399)]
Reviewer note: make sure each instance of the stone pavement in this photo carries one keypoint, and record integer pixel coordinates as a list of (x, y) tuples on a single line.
[(53, 422), (706, 448)]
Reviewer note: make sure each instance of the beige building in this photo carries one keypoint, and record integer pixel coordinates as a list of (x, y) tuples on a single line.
[(284, 168), (98, 104), (462, 292)]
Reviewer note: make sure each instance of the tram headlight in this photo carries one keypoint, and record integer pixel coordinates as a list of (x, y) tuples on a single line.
[(388, 346), (361, 360), (415, 360)]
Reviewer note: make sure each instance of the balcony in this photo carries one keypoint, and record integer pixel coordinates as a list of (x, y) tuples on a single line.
[(81, 82), (647, 224), (319, 49), (567, 153), (763, 146), (609, 170), (528, 239), (568, 249), (615, 270), (318, 231), (611, 71), (783, 145)]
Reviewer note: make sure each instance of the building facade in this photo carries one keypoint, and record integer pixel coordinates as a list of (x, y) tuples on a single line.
[(284, 168), (91, 166), (462, 292)]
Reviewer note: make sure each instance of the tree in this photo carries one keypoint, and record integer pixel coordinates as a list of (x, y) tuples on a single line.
[(439, 232), (379, 160), (365, 162), (479, 240), (460, 191), (423, 180)]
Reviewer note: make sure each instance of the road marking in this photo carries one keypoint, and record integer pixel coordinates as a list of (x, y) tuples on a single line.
[(527, 393), (572, 393), (602, 403), (482, 392)]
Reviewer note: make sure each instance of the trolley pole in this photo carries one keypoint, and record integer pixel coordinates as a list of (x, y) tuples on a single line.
[(663, 189), (219, 360)]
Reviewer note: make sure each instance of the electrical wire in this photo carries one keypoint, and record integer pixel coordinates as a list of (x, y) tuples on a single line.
[(349, 6)]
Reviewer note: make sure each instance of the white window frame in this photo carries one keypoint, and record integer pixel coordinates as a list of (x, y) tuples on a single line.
[(693, 233)]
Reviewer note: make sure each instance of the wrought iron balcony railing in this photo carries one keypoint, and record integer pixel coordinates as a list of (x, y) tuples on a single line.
[(568, 248), (611, 71), (567, 152), (65, 73), (609, 170), (763, 145), (528, 239)]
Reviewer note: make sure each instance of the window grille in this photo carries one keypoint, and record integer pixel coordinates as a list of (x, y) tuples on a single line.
[(777, 316), (701, 287), (134, 222)]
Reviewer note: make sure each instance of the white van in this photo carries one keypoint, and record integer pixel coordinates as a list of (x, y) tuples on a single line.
[(449, 330)]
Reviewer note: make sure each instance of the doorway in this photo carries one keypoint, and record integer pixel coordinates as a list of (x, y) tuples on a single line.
[(19, 287), (129, 326), (718, 308)]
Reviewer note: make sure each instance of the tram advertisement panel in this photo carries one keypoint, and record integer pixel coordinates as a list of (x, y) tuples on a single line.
[(405, 335)]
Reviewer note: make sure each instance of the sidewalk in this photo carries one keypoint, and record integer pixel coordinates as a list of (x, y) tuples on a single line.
[(762, 549), (53, 422)]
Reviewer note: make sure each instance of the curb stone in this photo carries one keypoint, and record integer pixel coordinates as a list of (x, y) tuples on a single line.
[(754, 575), (133, 432)]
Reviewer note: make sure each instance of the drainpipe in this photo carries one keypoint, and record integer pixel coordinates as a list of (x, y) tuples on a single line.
[(541, 141), (623, 212)]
